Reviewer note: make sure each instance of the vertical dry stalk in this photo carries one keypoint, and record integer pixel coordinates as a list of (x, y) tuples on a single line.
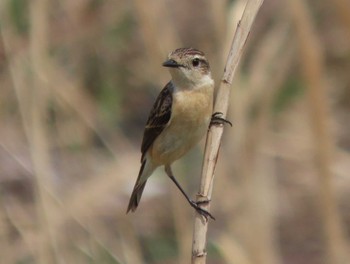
[(154, 21), (215, 132), (268, 70), (312, 67), (343, 9), (257, 167), (32, 105), (37, 135)]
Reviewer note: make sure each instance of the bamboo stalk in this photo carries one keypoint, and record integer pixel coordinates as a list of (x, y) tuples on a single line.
[(215, 132)]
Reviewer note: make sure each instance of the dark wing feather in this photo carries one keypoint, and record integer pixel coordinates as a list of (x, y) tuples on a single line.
[(158, 118)]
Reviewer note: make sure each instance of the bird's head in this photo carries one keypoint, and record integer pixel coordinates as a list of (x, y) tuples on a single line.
[(189, 68)]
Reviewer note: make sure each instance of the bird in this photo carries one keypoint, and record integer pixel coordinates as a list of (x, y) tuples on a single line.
[(178, 120)]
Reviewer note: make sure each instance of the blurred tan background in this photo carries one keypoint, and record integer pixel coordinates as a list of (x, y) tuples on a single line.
[(77, 81)]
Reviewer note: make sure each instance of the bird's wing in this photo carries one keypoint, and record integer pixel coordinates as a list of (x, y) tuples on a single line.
[(158, 118)]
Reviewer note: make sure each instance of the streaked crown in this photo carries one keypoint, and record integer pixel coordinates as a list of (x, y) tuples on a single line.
[(188, 65)]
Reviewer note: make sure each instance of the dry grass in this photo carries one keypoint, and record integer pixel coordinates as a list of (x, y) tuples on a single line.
[(77, 79), (214, 136)]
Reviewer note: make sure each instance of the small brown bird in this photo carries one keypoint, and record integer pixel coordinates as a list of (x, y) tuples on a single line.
[(178, 120)]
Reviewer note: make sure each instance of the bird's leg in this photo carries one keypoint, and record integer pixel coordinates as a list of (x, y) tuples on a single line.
[(194, 204), (217, 120)]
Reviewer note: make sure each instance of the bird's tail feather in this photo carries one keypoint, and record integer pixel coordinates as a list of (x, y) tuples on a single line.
[(136, 197), (145, 171)]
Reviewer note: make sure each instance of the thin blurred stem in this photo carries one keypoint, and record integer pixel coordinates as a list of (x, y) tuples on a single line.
[(32, 105), (257, 169), (38, 139), (29, 115), (215, 132), (312, 68), (343, 9), (157, 31)]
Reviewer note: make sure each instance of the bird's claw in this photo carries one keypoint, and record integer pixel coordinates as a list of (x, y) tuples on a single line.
[(217, 120), (201, 211)]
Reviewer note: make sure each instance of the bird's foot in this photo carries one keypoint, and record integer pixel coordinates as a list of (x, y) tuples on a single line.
[(217, 120), (200, 210)]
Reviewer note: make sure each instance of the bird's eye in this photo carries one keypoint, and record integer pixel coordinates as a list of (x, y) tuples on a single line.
[(195, 62)]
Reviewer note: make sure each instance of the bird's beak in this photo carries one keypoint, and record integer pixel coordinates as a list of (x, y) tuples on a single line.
[(171, 63)]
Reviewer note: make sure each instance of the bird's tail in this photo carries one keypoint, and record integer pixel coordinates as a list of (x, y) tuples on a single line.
[(145, 171)]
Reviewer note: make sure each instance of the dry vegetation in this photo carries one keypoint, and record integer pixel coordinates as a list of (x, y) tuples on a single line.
[(77, 79)]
